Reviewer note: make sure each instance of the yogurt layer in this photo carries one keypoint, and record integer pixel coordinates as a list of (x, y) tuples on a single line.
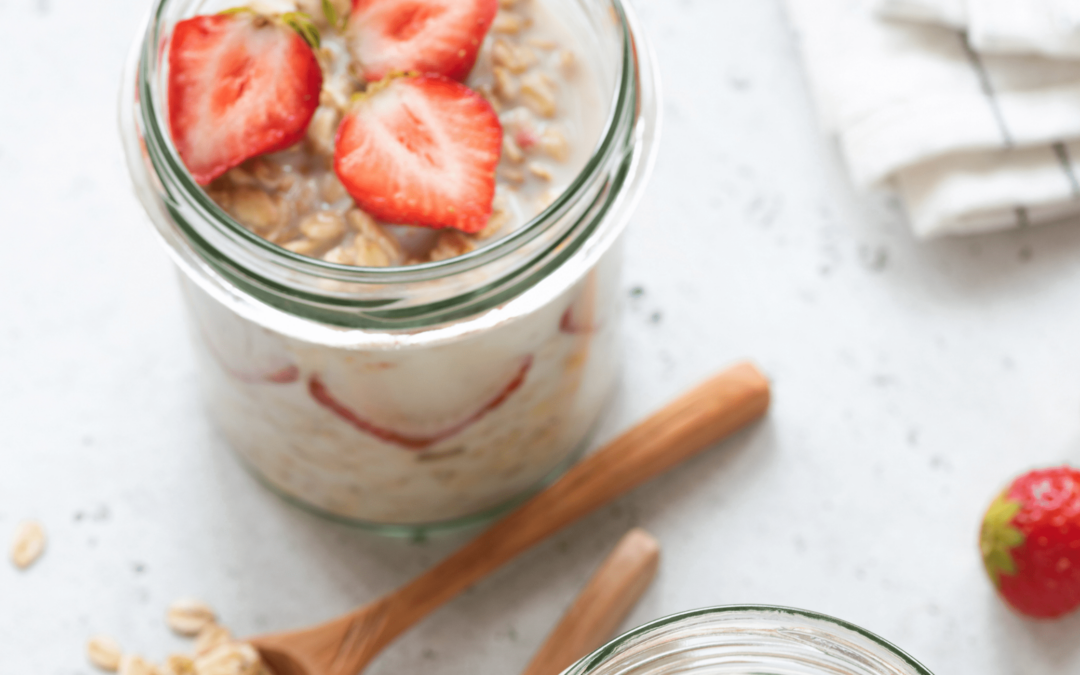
[(419, 434)]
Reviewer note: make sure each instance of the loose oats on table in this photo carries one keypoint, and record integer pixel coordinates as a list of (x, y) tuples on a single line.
[(211, 636), (130, 664), (104, 653), (29, 544), (188, 617), (215, 651), (229, 659), (179, 664)]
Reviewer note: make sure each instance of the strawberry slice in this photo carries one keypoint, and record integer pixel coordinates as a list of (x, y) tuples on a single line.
[(240, 85), (421, 151), (428, 36)]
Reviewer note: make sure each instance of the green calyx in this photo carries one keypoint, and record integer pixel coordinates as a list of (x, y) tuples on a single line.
[(298, 21), (237, 10), (331, 15), (302, 24), (999, 537)]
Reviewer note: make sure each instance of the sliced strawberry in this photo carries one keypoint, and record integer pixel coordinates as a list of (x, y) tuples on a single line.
[(421, 151), (428, 36), (240, 85)]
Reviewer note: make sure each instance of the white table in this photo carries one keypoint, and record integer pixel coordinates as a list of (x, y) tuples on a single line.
[(912, 381)]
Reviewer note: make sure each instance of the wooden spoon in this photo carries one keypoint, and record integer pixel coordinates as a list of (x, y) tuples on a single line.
[(680, 430), (599, 609)]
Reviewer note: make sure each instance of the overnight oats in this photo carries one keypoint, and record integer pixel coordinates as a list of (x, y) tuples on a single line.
[(397, 223)]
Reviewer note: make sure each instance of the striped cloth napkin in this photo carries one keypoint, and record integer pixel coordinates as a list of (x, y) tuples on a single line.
[(1047, 27), (971, 141)]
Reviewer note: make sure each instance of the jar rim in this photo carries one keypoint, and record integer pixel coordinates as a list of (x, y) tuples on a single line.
[(172, 173), (619, 645)]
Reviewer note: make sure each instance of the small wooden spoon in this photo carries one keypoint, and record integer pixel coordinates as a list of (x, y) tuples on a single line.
[(683, 428), (599, 609)]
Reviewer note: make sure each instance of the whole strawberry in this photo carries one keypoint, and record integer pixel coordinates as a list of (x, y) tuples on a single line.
[(1031, 542)]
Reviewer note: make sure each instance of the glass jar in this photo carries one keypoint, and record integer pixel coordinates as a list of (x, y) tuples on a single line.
[(738, 640), (407, 398)]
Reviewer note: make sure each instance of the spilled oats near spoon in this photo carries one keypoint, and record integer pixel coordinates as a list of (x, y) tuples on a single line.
[(214, 651)]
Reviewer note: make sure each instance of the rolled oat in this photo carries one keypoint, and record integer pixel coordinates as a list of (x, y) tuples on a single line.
[(554, 144), (303, 247), (255, 209), (512, 151), (179, 664), (29, 544), (500, 217), (506, 85), (131, 664), (210, 637), (567, 62), (322, 129), (517, 58), (104, 653), (451, 244), (507, 22), (372, 246), (326, 228), (189, 617), (539, 170), (538, 92), (229, 659)]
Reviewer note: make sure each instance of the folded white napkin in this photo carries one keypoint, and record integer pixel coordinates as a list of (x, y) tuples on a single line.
[(971, 142), (1047, 27), (952, 13)]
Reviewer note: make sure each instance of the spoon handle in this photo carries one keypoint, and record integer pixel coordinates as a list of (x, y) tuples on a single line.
[(683, 428), (603, 604)]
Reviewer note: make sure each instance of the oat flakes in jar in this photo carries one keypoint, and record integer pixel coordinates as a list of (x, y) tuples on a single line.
[(398, 235)]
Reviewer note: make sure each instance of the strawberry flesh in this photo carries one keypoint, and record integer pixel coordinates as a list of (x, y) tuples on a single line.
[(239, 86), (426, 36), (1031, 542), (421, 151)]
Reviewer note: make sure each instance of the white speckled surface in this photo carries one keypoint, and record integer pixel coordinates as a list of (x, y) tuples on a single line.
[(912, 380)]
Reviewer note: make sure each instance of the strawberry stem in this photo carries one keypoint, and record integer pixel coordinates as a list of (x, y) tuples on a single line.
[(332, 17), (237, 10), (303, 25), (999, 537)]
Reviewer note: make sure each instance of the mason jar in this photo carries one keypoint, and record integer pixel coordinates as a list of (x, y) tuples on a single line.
[(416, 397), (758, 639)]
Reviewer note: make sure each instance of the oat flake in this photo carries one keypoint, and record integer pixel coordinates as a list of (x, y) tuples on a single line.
[(137, 665), (210, 637), (179, 664), (29, 544), (188, 617), (230, 659), (104, 653)]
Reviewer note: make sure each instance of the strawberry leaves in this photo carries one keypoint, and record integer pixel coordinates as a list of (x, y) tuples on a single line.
[(999, 537), (332, 17), (298, 21), (304, 27)]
